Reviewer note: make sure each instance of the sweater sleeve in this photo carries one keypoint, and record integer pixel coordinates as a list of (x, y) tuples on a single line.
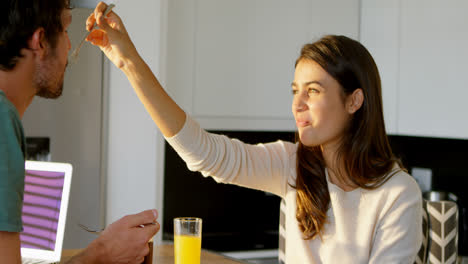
[(264, 167), (399, 233)]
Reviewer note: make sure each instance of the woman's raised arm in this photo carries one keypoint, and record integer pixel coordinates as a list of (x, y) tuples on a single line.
[(112, 38)]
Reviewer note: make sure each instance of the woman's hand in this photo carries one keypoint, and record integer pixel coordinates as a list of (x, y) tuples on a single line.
[(113, 39), (110, 36)]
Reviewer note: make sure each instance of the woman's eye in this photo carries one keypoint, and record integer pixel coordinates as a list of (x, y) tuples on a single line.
[(294, 92), (312, 90)]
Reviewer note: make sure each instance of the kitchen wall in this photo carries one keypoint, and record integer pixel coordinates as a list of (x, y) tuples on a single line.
[(134, 144), (446, 158)]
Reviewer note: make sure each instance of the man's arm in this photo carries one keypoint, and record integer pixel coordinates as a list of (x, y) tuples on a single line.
[(10, 247), (124, 241)]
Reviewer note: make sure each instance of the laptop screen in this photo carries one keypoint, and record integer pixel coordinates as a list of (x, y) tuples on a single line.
[(41, 208), (46, 193)]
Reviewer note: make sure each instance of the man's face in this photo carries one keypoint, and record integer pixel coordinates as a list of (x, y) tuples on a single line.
[(50, 71)]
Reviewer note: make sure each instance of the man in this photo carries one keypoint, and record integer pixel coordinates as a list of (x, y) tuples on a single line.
[(34, 47)]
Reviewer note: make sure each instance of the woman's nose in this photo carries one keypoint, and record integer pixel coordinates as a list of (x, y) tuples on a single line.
[(299, 104)]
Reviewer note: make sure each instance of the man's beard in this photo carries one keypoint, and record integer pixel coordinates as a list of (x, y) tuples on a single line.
[(46, 92), (49, 82)]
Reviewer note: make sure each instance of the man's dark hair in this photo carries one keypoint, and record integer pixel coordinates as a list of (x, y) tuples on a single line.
[(18, 21)]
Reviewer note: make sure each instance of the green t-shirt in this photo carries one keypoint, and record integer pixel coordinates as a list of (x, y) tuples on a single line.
[(12, 151)]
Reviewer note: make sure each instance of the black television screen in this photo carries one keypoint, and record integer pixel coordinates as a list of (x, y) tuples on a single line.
[(234, 218)]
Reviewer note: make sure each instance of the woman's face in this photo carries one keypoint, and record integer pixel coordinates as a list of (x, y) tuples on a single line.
[(318, 106)]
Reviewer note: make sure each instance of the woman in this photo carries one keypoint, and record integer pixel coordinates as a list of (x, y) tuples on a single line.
[(347, 198)]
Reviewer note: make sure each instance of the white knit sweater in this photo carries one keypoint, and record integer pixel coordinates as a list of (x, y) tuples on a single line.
[(364, 226)]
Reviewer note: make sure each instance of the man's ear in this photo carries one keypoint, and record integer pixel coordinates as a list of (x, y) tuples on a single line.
[(38, 43), (355, 101)]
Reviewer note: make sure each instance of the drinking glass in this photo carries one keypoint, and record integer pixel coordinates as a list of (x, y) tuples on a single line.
[(187, 240)]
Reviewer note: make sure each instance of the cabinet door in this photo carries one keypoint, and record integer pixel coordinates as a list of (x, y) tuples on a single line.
[(433, 68), (379, 34), (73, 123), (231, 62)]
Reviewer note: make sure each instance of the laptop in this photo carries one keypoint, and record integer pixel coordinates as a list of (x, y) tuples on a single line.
[(46, 193)]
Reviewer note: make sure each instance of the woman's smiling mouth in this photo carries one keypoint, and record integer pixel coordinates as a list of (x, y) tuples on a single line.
[(302, 123)]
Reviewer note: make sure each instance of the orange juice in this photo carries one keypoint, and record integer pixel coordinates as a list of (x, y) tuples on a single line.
[(187, 249)]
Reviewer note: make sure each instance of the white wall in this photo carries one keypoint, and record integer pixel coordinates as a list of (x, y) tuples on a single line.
[(135, 145)]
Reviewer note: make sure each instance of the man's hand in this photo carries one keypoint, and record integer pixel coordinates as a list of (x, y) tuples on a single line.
[(9, 247), (124, 241)]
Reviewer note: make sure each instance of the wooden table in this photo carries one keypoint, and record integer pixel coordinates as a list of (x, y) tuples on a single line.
[(164, 254)]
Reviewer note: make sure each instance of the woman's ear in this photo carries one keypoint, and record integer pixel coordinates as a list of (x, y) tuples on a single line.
[(355, 101), (38, 43)]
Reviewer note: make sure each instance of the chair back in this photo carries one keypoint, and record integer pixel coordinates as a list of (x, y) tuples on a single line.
[(439, 227), (282, 233), (442, 241), (422, 253)]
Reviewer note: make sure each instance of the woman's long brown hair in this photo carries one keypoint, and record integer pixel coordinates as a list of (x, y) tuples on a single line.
[(364, 153)]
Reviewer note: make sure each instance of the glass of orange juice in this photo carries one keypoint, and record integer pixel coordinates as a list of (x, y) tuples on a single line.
[(187, 240)]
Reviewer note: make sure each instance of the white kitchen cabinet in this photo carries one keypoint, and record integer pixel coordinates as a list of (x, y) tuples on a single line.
[(230, 63), (379, 34), (421, 50), (433, 68)]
